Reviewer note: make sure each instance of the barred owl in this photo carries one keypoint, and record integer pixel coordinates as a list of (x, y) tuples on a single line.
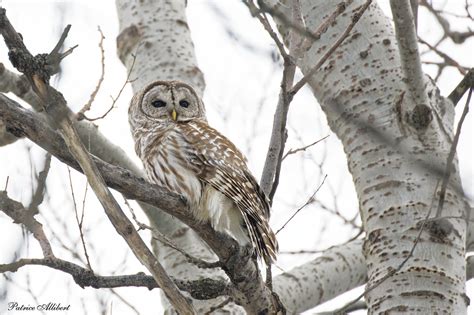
[(181, 152)]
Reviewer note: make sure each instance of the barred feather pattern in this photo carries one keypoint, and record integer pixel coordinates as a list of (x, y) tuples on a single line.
[(193, 159)]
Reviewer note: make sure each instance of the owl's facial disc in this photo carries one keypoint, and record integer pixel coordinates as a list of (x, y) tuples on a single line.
[(171, 102)]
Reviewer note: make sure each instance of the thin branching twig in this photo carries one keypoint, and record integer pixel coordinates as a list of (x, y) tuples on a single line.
[(157, 235), (115, 99), (452, 152), (309, 201), (79, 221), (293, 151), (88, 105)]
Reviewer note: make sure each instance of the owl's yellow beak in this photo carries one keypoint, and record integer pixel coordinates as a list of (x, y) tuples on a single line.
[(174, 115)]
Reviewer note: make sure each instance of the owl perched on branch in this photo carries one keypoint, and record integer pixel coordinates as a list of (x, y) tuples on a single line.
[(181, 152)]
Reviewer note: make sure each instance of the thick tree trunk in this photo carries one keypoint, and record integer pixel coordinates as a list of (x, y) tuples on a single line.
[(397, 151)]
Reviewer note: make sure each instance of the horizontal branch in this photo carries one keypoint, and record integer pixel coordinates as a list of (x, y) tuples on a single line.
[(202, 289)]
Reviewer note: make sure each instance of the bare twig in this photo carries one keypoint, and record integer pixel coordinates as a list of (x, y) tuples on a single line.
[(293, 151), (88, 105), (265, 23), (336, 212), (6, 183), (276, 14), (448, 60), (452, 152), (163, 239), (114, 99), (219, 306), (124, 301), (38, 195), (20, 215), (319, 251), (456, 37), (309, 201), (359, 305), (270, 174), (79, 221), (466, 83)]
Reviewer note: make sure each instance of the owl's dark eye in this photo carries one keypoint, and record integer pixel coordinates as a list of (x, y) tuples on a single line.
[(158, 103), (184, 103)]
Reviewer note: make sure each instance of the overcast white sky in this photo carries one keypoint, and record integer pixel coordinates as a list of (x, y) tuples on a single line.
[(234, 53)]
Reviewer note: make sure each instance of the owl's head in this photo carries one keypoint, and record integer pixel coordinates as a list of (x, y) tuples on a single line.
[(166, 102)]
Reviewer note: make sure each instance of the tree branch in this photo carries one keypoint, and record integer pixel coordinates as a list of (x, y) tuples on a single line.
[(55, 105), (19, 214), (407, 39), (466, 83), (238, 263), (271, 169), (202, 289)]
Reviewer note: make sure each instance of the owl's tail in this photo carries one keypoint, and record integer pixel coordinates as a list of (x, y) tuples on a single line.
[(262, 237)]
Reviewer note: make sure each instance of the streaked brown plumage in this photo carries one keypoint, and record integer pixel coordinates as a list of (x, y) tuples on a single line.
[(183, 153)]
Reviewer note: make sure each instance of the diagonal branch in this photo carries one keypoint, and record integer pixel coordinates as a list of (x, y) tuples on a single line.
[(466, 83), (55, 105), (407, 39), (19, 214), (271, 169)]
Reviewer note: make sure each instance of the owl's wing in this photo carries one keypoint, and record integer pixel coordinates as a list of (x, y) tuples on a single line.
[(218, 163)]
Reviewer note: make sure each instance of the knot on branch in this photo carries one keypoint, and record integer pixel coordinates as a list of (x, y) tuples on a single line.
[(29, 65), (421, 117), (206, 289), (439, 229), (86, 278), (41, 66)]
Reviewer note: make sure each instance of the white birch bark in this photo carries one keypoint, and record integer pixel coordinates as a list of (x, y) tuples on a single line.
[(396, 150), (286, 285), (336, 271)]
